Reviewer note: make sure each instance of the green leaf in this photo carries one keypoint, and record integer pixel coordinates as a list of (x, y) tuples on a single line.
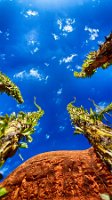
[(104, 196), (3, 191), (91, 112), (23, 145), (1, 163), (27, 133), (29, 138)]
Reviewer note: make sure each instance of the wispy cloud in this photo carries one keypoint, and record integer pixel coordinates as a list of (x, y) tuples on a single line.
[(20, 74), (32, 41), (59, 92), (78, 67), (59, 22), (93, 33), (70, 68), (5, 34), (57, 100), (56, 37), (46, 64), (67, 59), (47, 136), (31, 13), (3, 56), (20, 106), (66, 25), (32, 73), (61, 128), (35, 74), (68, 28)]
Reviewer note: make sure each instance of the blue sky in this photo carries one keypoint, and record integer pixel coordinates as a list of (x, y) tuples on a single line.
[(41, 44)]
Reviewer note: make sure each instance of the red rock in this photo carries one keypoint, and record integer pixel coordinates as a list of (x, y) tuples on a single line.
[(60, 175)]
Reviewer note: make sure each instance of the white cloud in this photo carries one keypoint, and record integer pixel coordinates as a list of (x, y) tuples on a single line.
[(59, 92), (78, 67), (34, 50), (32, 41), (66, 25), (31, 37), (100, 42), (46, 64), (3, 56), (59, 22), (56, 37), (67, 59), (47, 136), (93, 33), (31, 13), (53, 58), (34, 73), (70, 68), (5, 34), (20, 106), (68, 28), (20, 74), (70, 21), (61, 128)]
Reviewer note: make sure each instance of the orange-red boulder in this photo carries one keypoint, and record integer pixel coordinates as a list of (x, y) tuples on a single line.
[(60, 175)]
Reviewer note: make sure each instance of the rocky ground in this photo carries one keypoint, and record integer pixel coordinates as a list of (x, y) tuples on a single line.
[(60, 175)]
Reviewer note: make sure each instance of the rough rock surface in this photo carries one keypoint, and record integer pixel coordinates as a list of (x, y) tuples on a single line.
[(60, 175)]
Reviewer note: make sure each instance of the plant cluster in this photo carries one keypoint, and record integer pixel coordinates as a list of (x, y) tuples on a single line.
[(98, 133), (15, 130), (100, 58)]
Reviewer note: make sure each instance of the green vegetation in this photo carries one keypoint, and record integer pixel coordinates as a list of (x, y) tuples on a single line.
[(98, 133), (3, 192), (105, 197), (7, 86), (15, 130), (100, 58)]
